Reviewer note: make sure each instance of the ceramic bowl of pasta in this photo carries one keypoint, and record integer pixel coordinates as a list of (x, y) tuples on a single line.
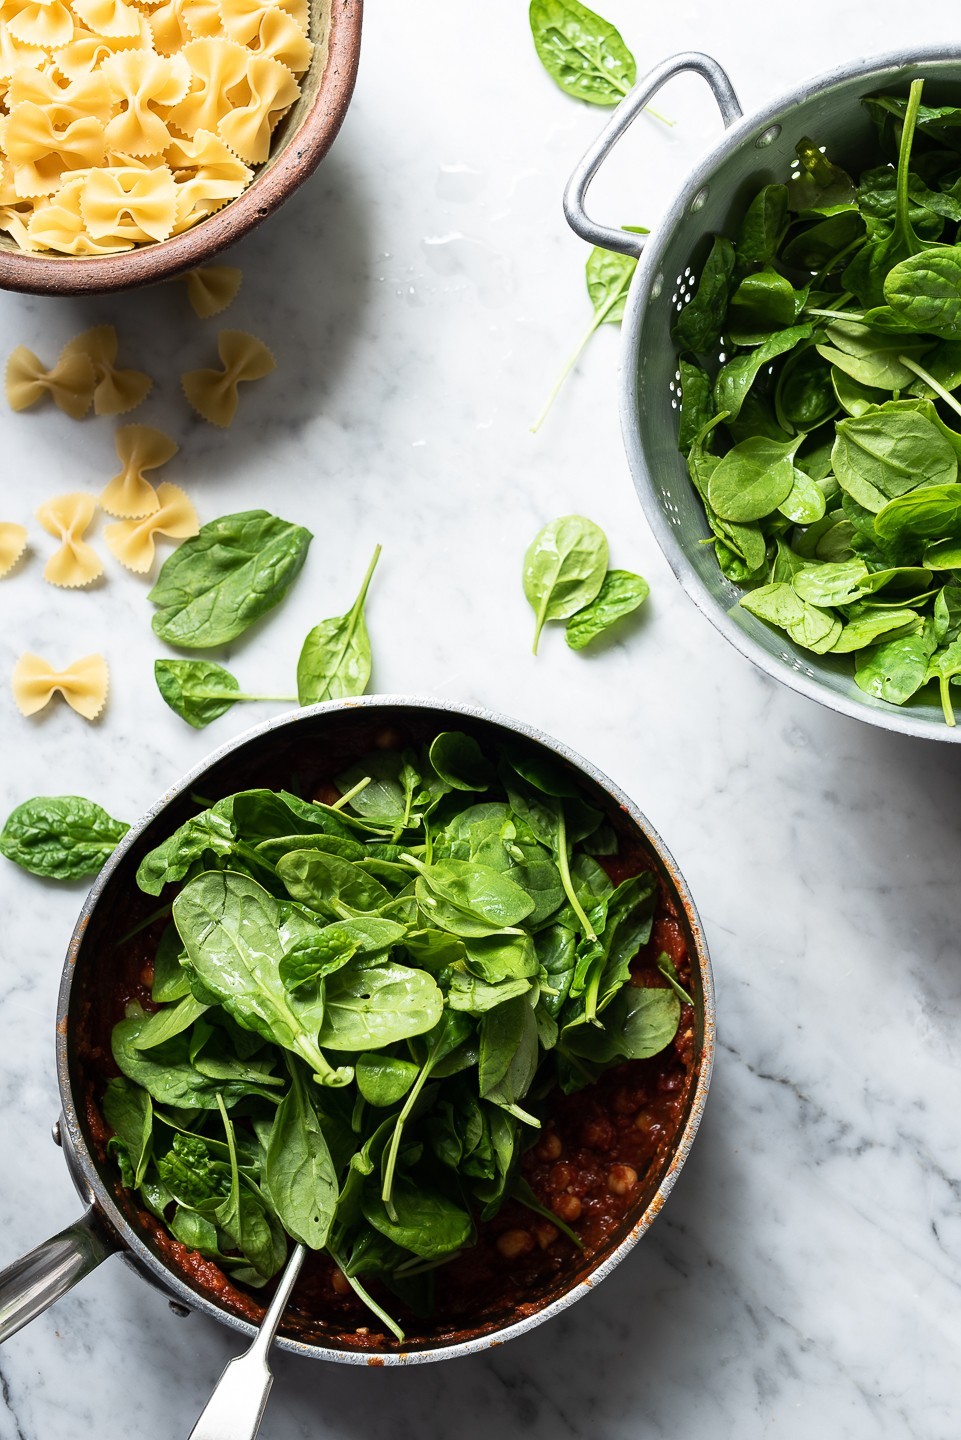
[(140, 137)]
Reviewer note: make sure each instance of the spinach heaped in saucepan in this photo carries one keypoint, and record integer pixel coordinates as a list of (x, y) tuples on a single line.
[(359, 1007), (821, 353)]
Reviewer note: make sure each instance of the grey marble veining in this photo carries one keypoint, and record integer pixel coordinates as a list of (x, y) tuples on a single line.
[(420, 294)]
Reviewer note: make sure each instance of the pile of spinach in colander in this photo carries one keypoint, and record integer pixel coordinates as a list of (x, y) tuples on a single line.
[(358, 1008), (820, 354)]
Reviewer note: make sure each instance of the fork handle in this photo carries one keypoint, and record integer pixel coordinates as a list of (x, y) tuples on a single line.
[(236, 1408)]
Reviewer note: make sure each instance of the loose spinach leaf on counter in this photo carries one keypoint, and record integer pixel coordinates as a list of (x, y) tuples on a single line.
[(335, 659), (61, 837), (564, 568), (217, 584), (827, 453), (360, 1009), (621, 593), (608, 277), (581, 51), (200, 691)]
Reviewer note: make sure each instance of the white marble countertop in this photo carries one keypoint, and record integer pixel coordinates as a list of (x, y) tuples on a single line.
[(420, 295)]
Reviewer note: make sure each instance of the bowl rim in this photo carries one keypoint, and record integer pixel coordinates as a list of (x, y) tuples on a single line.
[(87, 1178), (303, 150), (743, 132)]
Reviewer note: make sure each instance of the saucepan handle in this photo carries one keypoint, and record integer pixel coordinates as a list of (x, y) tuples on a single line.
[(624, 116), (35, 1281)]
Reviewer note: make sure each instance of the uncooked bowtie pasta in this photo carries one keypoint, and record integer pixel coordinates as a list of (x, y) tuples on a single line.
[(123, 124)]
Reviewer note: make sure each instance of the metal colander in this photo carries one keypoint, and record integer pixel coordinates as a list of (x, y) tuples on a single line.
[(755, 150)]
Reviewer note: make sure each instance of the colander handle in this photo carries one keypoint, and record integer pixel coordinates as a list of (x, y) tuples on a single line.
[(622, 119)]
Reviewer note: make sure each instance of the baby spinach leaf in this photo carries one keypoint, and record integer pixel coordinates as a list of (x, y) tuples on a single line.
[(639, 1023), (564, 568), (62, 837), (805, 397), (805, 505), (837, 584), (169, 1021), (166, 1072), (819, 187), (335, 659), (763, 224), (171, 981), (621, 593), (459, 761), (698, 326), (735, 379), (236, 934), (584, 54), (881, 455), (334, 887), (752, 479), (369, 1005), (328, 950), (200, 691), (427, 1223), (874, 625), (475, 997), (508, 1052), (384, 1080), (925, 290), (930, 513), (895, 670), (696, 403), (469, 899), (763, 302), (128, 1110), (505, 955), (234, 571), (298, 1169), (806, 624)]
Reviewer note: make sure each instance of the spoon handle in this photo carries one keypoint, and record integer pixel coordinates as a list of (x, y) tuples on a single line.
[(236, 1408)]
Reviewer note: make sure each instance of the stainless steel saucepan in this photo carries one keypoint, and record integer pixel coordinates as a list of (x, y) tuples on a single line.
[(313, 744), (755, 150)]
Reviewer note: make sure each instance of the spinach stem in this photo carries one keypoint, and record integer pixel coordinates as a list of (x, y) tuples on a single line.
[(903, 222), (833, 314), (626, 90), (525, 1196), (929, 379), (222, 694), (354, 790), (597, 321), (944, 684), (368, 1300), (565, 873), (392, 1152), (147, 920)]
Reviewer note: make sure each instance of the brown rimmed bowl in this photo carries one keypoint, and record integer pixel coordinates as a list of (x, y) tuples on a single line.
[(311, 746), (300, 142)]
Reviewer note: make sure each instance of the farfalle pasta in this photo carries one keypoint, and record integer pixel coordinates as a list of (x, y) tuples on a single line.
[(123, 122), (130, 494), (115, 391), (13, 542), (213, 393), (133, 542), (211, 288), (68, 517), (83, 684), (69, 384)]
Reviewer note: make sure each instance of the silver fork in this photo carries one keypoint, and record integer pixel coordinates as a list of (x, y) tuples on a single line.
[(236, 1408)]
